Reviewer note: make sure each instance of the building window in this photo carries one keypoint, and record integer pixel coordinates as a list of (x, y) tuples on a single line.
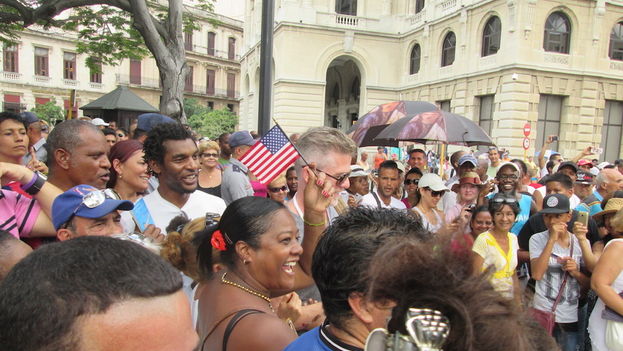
[(491, 36), (346, 7), (135, 71), (230, 107), (444, 105), (41, 62), (10, 59), (231, 85), (414, 62), (611, 130), (211, 105), (69, 65), (550, 112), (188, 41), (231, 49), (419, 6), (448, 49), (210, 81), (95, 75), (485, 115), (557, 33), (615, 51), (41, 101), (188, 82), (211, 40), (12, 103)]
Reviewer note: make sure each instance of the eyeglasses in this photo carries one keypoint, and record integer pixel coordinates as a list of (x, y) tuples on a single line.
[(504, 200), (507, 177), (339, 179), (435, 193), (93, 199), (412, 181), (209, 155), (276, 190)]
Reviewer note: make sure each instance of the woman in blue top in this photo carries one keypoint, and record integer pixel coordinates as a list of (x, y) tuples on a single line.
[(507, 180)]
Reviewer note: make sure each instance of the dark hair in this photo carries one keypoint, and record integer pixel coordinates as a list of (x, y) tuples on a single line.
[(343, 254), (497, 206), (109, 131), (123, 130), (456, 156), (414, 170), (416, 150), (12, 116), (389, 164), (45, 293), (291, 169), (245, 219), (6, 241), (66, 135), (430, 275), (221, 137), (549, 165), (476, 211), (154, 144), (180, 247), (561, 178)]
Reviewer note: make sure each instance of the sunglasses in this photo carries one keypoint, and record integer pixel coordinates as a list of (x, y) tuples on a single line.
[(92, 200), (276, 190), (209, 155), (412, 181), (504, 200), (435, 193), (339, 179)]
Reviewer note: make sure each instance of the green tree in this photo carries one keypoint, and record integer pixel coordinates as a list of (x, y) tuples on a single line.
[(49, 112), (111, 30), (212, 123)]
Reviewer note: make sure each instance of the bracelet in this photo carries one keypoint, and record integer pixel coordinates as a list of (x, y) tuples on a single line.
[(314, 224), (27, 186)]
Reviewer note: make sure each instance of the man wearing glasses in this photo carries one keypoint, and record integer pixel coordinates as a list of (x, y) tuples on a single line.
[(387, 181), (85, 211)]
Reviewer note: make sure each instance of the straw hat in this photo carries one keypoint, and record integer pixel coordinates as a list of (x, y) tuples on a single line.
[(467, 178), (613, 205)]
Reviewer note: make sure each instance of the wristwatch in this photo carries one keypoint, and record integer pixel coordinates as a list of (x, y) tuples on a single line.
[(35, 185)]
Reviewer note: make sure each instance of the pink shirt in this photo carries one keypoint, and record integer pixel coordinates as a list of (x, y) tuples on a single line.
[(18, 213)]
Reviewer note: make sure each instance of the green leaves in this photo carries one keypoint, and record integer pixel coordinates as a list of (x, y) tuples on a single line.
[(49, 112), (207, 122)]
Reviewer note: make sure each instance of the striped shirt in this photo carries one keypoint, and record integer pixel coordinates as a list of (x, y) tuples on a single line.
[(18, 213)]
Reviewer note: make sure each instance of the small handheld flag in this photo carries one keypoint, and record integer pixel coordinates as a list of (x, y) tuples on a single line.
[(270, 156)]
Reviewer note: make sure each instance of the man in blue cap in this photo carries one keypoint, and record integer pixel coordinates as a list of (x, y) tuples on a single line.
[(84, 210), (236, 183), (146, 122)]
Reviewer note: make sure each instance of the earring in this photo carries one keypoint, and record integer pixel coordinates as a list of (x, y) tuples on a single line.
[(245, 261)]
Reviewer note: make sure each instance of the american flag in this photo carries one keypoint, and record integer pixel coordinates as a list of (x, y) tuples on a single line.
[(270, 156)]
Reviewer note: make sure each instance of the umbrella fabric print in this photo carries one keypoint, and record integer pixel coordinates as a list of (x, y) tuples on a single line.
[(426, 125)]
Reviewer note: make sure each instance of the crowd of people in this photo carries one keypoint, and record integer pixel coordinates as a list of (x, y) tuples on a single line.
[(154, 238)]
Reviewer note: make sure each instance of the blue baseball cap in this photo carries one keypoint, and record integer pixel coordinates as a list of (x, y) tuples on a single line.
[(242, 137), (85, 201), (468, 158), (29, 117), (147, 121)]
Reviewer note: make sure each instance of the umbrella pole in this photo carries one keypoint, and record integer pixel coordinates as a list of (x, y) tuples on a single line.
[(442, 160)]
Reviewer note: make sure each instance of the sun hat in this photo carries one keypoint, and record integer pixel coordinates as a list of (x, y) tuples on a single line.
[(467, 178), (612, 206), (357, 171)]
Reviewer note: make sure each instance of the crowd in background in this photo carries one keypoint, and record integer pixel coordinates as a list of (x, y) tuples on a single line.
[(517, 254)]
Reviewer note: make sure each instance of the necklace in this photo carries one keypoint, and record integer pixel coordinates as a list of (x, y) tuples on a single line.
[(244, 288)]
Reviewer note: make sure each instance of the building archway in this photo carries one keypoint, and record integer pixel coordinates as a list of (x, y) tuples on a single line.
[(342, 93)]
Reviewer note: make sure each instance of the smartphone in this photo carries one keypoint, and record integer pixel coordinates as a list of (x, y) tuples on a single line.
[(554, 138), (470, 207), (598, 150), (141, 215), (582, 217)]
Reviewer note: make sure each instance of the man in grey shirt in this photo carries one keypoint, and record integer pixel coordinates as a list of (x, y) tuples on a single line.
[(236, 184)]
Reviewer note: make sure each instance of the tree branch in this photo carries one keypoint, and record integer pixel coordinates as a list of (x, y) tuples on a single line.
[(148, 29)]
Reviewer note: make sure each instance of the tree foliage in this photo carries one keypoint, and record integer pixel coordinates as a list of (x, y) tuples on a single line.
[(49, 112), (208, 122), (109, 31)]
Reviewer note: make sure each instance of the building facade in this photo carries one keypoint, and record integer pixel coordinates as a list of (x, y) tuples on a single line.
[(44, 65), (555, 64)]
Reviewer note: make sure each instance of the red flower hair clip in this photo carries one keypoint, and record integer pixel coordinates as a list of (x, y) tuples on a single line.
[(217, 241)]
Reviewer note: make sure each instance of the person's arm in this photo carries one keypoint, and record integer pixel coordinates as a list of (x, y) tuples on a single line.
[(571, 267), (539, 261), (477, 262), (261, 331), (586, 152), (538, 200), (607, 270), (589, 258), (541, 158)]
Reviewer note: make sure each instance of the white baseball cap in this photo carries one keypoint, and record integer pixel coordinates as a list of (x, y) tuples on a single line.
[(432, 181), (99, 122)]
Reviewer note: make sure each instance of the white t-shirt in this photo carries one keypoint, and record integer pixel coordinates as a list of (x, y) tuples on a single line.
[(198, 204), (547, 288), (369, 201)]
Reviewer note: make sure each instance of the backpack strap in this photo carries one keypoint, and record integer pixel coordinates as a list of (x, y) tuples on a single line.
[(233, 321), (376, 197)]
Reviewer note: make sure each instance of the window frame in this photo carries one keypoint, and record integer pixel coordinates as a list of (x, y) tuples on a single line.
[(10, 55), (415, 69), (346, 7), (490, 36), (552, 37), (612, 51), (69, 66), (448, 47), (42, 62)]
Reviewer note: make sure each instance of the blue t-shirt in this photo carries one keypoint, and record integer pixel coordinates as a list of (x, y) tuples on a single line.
[(318, 339)]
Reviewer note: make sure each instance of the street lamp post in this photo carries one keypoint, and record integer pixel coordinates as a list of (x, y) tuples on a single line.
[(266, 67)]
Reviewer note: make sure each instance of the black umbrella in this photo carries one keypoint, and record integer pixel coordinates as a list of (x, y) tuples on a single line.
[(434, 127), (383, 115)]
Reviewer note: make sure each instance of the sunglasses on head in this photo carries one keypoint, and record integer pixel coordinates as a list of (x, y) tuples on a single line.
[(276, 190), (504, 200), (92, 200), (339, 179), (412, 181), (209, 155)]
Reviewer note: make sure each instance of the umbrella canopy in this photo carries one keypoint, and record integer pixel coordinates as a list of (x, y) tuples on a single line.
[(121, 98), (384, 115), (434, 127)]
